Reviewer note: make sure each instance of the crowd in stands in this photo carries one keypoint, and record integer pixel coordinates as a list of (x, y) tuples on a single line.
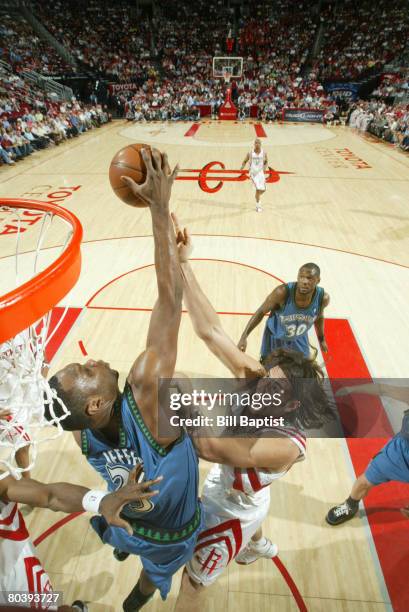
[(391, 123), (168, 60), (361, 37), (105, 37), (24, 50), (393, 87), (30, 120)]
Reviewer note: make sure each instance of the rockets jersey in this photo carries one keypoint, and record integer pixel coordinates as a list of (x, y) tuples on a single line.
[(251, 481), (290, 321), (256, 162), (21, 569), (177, 500)]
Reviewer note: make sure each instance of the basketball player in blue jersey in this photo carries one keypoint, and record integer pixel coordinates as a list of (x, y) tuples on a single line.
[(119, 431), (236, 494), (293, 308)]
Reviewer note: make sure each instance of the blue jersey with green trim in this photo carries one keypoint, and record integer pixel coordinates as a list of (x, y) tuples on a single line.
[(290, 321), (177, 500)]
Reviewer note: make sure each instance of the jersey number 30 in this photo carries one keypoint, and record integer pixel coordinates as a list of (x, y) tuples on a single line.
[(293, 330)]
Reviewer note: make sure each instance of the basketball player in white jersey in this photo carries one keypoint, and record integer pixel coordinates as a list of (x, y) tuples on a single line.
[(20, 567), (258, 164), (236, 495)]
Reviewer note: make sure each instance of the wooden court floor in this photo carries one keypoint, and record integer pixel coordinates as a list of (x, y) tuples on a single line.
[(335, 198)]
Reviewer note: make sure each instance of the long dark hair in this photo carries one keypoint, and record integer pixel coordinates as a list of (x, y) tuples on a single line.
[(306, 378)]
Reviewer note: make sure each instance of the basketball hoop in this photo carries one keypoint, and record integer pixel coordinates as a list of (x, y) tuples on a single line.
[(30, 234)]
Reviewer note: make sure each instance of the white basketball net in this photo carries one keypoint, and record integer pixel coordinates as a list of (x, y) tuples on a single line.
[(227, 74), (24, 391)]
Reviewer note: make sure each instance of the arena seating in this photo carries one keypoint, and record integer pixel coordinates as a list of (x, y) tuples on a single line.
[(361, 37), (168, 58), (30, 120)]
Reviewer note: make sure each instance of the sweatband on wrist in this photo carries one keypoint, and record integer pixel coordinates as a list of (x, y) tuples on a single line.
[(92, 500)]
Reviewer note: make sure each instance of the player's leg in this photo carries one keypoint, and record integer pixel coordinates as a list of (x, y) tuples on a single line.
[(141, 593), (259, 547), (258, 195), (348, 509), (389, 464)]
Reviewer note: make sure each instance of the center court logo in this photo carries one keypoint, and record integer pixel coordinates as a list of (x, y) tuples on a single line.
[(215, 172)]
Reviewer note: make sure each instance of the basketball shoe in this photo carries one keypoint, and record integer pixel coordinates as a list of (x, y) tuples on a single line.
[(79, 605), (263, 548), (258, 208), (343, 512)]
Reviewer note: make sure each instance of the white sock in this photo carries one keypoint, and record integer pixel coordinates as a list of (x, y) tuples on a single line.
[(259, 543)]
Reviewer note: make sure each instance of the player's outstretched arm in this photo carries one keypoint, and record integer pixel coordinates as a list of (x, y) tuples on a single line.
[(393, 391), (159, 358), (276, 454), (205, 319), (66, 497), (319, 324), (272, 302)]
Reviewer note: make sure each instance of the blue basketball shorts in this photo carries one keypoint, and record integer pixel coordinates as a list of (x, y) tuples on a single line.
[(159, 560), (391, 463)]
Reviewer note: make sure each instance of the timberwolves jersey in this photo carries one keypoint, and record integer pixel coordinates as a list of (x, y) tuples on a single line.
[(288, 327), (176, 505)]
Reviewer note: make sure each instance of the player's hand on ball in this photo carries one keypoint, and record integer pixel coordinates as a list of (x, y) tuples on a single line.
[(183, 240), (4, 413), (156, 189), (112, 504)]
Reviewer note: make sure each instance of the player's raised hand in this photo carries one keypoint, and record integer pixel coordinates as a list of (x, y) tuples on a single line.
[(183, 240), (4, 413), (156, 189), (112, 504)]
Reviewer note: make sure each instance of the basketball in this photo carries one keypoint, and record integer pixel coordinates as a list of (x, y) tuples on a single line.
[(128, 162)]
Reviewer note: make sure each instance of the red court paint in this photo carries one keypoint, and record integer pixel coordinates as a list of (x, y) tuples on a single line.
[(56, 526), (66, 324), (192, 130), (130, 309), (260, 133), (291, 584), (390, 530), (237, 263), (82, 348)]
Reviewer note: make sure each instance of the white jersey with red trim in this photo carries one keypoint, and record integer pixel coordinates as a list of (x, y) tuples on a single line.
[(21, 569), (251, 481), (235, 503)]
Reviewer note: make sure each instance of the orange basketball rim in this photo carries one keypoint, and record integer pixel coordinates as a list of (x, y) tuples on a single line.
[(26, 304)]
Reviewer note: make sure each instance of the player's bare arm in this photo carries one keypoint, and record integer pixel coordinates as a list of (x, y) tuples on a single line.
[(398, 393), (274, 301), (64, 497), (205, 320), (319, 324), (246, 160), (265, 162), (275, 454), (159, 358)]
